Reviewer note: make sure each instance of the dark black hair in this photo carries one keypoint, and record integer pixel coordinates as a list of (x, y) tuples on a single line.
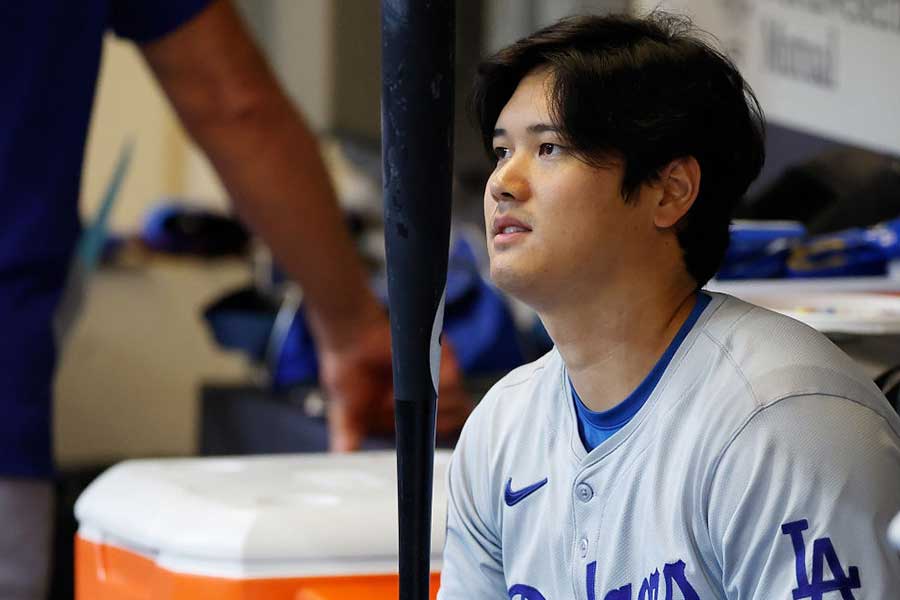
[(646, 91)]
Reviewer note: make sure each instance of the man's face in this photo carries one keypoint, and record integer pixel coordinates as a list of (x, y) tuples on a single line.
[(556, 226)]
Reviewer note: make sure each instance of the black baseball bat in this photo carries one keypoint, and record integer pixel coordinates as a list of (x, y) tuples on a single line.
[(417, 161)]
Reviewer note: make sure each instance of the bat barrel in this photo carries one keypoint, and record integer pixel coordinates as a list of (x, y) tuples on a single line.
[(417, 160)]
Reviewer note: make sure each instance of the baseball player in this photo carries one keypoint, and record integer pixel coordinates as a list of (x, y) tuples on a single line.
[(676, 443)]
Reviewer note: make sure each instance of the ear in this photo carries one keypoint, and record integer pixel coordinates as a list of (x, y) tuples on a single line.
[(679, 183)]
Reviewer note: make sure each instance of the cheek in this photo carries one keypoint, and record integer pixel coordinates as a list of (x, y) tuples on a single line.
[(489, 207), (586, 223), (574, 212)]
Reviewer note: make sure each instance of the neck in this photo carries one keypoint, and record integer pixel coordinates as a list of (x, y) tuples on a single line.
[(610, 341)]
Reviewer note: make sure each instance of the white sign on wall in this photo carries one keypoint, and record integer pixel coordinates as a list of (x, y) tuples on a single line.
[(828, 67)]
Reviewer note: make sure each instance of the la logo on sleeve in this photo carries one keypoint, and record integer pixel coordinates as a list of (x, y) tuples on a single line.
[(823, 552)]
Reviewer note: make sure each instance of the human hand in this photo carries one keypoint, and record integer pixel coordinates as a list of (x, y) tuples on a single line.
[(358, 382)]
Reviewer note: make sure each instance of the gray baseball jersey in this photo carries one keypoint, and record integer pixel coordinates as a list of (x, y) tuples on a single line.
[(764, 466)]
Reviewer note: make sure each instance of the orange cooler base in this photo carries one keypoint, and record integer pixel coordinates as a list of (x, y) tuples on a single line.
[(105, 572)]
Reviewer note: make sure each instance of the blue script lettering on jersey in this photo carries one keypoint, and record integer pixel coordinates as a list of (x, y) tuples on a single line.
[(524, 592), (674, 576), (650, 587), (823, 551)]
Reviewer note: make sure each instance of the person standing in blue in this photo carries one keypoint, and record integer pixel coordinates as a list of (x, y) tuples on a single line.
[(227, 98)]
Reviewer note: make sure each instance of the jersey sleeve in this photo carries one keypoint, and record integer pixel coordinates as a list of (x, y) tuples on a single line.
[(472, 558), (144, 21), (800, 503)]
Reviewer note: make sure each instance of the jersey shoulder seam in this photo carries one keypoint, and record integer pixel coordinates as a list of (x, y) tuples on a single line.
[(750, 309), (503, 384), (734, 364), (776, 402)]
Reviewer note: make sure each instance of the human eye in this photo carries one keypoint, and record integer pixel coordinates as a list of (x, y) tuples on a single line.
[(549, 149), (501, 152)]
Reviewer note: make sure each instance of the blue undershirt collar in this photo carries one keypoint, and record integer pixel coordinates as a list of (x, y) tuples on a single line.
[(594, 428)]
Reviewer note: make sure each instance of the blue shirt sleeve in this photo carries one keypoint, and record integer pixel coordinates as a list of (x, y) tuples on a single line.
[(144, 21)]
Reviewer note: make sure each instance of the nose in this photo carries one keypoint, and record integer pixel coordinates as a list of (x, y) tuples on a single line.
[(509, 181)]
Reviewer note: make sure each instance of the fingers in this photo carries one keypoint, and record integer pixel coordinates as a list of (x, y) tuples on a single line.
[(454, 404), (355, 380), (361, 401), (450, 372), (343, 436)]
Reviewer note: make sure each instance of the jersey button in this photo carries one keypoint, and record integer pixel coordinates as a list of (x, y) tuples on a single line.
[(583, 547), (584, 492)]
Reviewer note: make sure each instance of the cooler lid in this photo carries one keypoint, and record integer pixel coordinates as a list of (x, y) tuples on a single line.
[(270, 508)]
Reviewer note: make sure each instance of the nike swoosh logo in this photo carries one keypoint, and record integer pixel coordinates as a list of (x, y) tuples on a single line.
[(514, 497)]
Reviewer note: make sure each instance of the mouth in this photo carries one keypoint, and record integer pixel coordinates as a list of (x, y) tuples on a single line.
[(508, 231), (508, 226)]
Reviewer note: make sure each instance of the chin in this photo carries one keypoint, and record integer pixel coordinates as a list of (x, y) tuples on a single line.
[(515, 282)]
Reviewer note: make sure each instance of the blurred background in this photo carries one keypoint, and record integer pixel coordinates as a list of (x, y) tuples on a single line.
[(188, 342), (128, 386)]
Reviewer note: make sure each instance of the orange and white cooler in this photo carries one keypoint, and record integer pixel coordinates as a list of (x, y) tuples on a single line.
[(291, 527)]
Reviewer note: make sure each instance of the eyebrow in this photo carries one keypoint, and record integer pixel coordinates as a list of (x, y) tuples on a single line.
[(536, 128)]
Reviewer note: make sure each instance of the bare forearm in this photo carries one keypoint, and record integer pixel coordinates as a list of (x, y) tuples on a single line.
[(231, 104), (271, 167)]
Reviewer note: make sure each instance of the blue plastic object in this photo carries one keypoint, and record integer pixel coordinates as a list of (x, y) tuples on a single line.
[(477, 322), (477, 319), (850, 253), (759, 250)]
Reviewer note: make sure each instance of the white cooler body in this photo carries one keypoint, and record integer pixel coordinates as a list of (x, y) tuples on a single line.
[(299, 527)]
